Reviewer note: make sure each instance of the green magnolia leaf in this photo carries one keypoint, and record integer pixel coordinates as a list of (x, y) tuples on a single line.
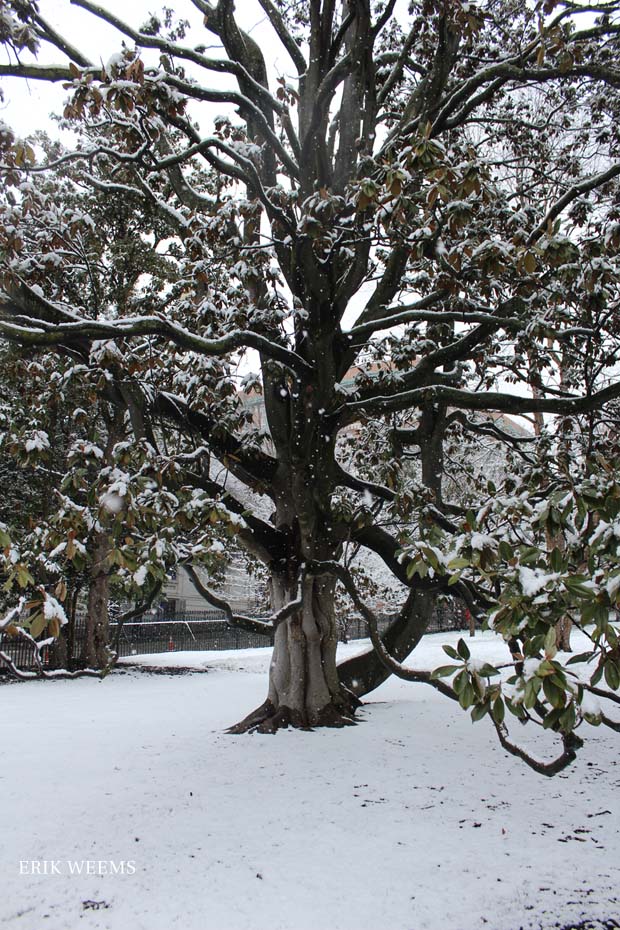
[(556, 560), (575, 586), (463, 649), (612, 676), (478, 686), (450, 651), (530, 697), (550, 646), (499, 710), (479, 711), (552, 718), (580, 657), (443, 671), (515, 709), (506, 551), (461, 680), (555, 695), (467, 696), (568, 718), (24, 578), (431, 557)]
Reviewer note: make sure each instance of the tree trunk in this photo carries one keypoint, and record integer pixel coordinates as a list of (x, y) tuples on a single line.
[(562, 634), (563, 626), (59, 651), (304, 688), (96, 635)]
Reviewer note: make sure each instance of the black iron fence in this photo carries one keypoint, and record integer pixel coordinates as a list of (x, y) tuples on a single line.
[(445, 617), (200, 630), (191, 633)]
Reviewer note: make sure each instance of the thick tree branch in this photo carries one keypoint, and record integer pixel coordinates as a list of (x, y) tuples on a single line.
[(41, 333), (487, 400), (54, 38), (287, 40), (218, 65)]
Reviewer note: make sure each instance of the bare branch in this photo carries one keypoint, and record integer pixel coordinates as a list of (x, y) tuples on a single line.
[(219, 65), (583, 187), (289, 43), (417, 313), (264, 627), (566, 757), (54, 38)]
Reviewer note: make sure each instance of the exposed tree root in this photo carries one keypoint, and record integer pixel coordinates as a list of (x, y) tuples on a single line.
[(269, 719)]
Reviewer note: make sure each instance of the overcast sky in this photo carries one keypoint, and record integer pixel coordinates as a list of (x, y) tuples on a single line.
[(28, 104)]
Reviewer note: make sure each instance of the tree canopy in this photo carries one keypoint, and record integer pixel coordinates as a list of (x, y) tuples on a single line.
[(409, 225)]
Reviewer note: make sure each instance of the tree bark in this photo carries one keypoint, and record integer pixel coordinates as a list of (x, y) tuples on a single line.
[(304, 688), (59, 652), (562, 634), (96, 635)]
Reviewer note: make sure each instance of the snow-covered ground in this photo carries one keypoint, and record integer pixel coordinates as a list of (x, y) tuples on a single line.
[(414, 819)]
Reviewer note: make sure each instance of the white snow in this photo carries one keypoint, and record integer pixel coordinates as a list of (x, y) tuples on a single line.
[(591, 705), (53, 609), (534, 580), (414, 820), (530, 668), (481, 540), (113, 502), (139, 576), (38, 441)]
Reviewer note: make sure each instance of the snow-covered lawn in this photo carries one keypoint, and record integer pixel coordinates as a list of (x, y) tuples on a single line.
[(414, 819)]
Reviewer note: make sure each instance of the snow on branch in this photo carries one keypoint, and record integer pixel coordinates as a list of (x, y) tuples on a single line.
[(568, 755), (244, 170), (221, 65), (570, 405), (42, 333), (63, 45), (50, 73), (246, 106)]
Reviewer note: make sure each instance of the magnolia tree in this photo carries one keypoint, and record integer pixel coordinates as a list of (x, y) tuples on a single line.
[(426, 196), (105, 511)]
